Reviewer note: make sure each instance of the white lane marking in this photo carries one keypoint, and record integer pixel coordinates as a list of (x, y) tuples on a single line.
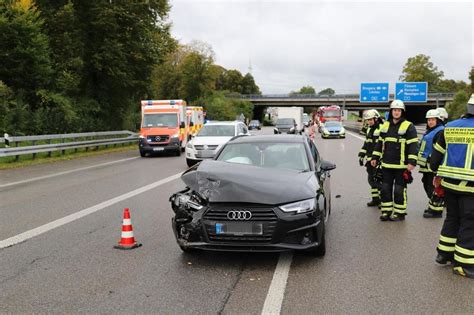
[(82, 213), (65, 172), (354, 135), (276, 291)]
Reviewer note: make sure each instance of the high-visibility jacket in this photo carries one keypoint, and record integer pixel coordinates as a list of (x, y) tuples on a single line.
[(452, 156), (426, 147), (397, 145), (372, 135)]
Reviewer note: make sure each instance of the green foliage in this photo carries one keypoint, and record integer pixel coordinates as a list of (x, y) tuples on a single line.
[(219, 106), (74, 65), (327, 91), (471, 78), (305, 90), (421, 69), (457, 107)]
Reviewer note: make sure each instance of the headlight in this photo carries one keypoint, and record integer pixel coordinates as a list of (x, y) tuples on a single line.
[(342, 131), (185, 200), (141, 137), (275, 129), (190, 146), (176, 135), (325, 131), (292, 128), (300, 206)]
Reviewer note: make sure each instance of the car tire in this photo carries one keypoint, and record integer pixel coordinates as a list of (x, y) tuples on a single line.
[(178, 152), (142, 153)]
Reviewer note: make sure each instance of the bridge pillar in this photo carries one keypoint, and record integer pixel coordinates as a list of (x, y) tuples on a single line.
[(417, 114), (258, 112)]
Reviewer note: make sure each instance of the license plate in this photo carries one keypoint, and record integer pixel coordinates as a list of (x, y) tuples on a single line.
[(205, 154), (239, 228), (158, 149)]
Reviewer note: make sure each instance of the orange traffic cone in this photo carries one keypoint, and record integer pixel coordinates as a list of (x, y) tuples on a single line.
[(127, 241)]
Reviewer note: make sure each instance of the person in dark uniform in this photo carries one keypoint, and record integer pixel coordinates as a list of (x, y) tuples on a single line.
[(453, 160), (374, 121), (396, 150), (434, 125)]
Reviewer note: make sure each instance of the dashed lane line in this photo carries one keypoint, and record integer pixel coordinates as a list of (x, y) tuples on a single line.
[(64, 173), (276, 291), (82, 213)]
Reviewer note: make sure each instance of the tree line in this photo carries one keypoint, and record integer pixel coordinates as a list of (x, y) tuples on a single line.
[(80, 65)]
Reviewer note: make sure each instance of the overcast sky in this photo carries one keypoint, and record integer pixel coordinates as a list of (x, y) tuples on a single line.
[(328, 44)]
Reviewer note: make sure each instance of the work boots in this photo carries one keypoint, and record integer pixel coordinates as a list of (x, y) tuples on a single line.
[(397, 217), (374, 203), (385, 216), (464, 271), (432, 214), (443, 260)]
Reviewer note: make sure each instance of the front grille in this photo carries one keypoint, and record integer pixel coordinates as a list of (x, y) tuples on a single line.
[(263, 215), (209, 147), (158, 138)]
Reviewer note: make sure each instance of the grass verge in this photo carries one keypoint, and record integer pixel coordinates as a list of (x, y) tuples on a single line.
[(42, 158)]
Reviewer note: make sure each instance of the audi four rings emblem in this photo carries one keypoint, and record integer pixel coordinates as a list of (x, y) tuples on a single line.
[(158, 138), (239, 215)]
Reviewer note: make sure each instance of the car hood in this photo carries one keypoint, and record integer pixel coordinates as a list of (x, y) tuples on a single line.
[(219, 181), (210, 140)]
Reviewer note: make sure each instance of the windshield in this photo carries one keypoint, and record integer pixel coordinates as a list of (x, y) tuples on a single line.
[(256, 122), (332, 124), (217, 131), (272, 155), (331, 113), (285, 121), (160, 120), (305, 118)]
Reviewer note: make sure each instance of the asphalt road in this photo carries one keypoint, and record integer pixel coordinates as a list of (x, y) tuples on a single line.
[(370, 266)]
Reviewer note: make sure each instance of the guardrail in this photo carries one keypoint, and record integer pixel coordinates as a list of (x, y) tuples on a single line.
[(106, 138)]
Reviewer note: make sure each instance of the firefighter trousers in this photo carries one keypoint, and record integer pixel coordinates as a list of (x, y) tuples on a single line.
[(394, 192), (433, 204), (457, 235), (374, 186)]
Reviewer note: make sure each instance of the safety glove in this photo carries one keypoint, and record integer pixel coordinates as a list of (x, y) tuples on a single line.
[(407, 177)]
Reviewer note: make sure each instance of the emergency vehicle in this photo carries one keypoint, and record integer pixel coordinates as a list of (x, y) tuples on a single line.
[(195, 119), (325, 113), (164, 127)]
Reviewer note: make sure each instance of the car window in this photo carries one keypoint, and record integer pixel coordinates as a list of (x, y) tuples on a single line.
[(271, 155), (315, 154), (217, 131)]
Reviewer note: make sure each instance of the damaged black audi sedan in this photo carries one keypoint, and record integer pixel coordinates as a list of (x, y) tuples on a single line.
[(259, 193)]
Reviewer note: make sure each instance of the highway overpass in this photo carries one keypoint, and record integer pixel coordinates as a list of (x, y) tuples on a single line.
[(415, 111)]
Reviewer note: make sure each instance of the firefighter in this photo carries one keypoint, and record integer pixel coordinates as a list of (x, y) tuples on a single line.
[(452, 158), (396, 151), (434, 125), (374, 121)]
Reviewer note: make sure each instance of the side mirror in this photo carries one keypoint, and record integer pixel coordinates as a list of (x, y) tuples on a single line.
[(182, 125), (327, 166)]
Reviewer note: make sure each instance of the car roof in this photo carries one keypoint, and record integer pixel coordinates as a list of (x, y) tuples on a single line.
[(226, 123), (270, 138)]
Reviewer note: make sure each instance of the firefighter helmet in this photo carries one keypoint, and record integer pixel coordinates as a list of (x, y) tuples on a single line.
[(371, 113), (397, 104), (470, 105), (433, 113), (443, 113)]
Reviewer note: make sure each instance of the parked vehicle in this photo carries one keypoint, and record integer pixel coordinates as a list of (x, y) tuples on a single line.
[(333, 129), (328, 113), (260, 193), (211, 138), (163, 127), (285, 125), (255, 124), (306, 120), (195, 119), (292, 112)]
